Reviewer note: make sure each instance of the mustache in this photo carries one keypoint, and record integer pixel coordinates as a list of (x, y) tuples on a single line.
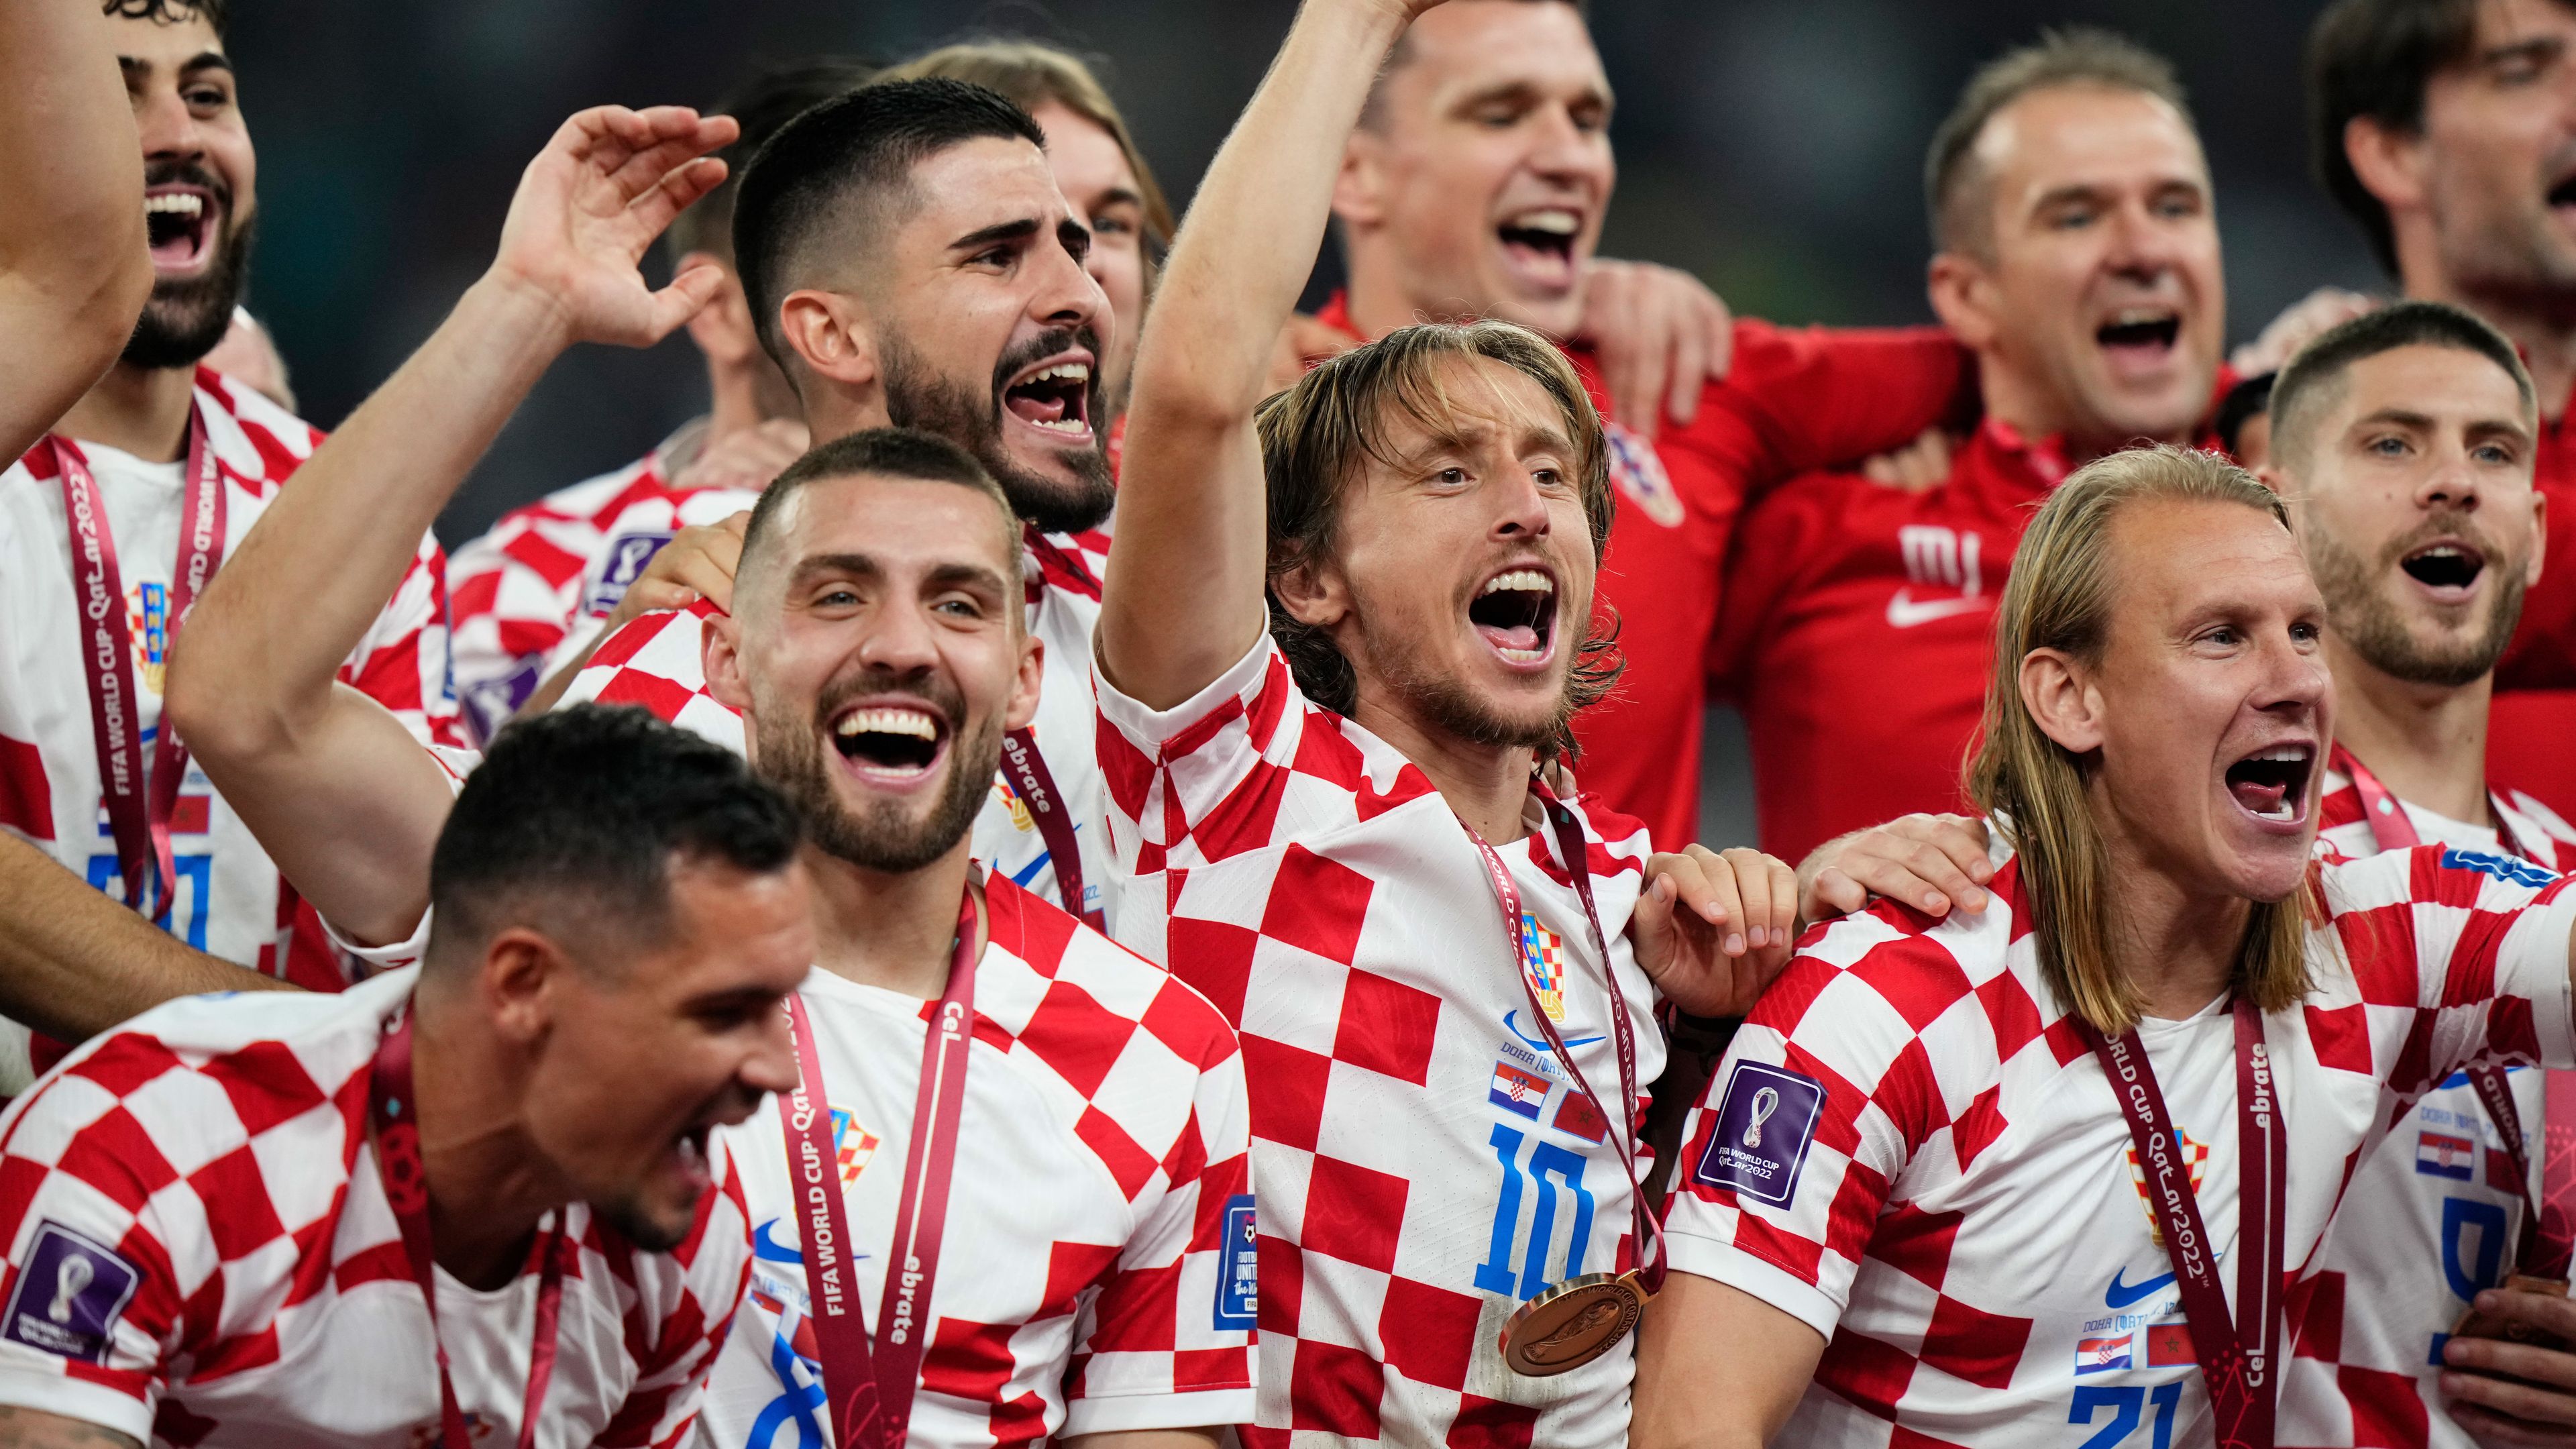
[(2444, 522), (1045, 345), (925, 685), (187, 173)]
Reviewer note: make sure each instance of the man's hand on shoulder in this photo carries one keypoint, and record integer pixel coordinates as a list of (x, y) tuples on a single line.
[(1929, 862), (698, 563), (1918, 467), (1661, 335), (1712, 928)]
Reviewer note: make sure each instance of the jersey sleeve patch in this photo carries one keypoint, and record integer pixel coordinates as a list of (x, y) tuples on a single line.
[(2502, 867), (68, 1295), (1765, 1124), (1238, 1268)]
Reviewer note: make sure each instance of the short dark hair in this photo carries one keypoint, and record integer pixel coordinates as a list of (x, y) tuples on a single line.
[(821, 172), (573, 822), (2078, 56), (2373, 58), (767, 102), (217, 13), (885, 453), (2307, 383), (2249, 399)]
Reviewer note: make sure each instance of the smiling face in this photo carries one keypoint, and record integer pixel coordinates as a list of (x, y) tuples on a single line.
[(2211, 704), (199, 175), (1105, 196), (2415, 502), (2095, 301), (646, 1056), (1460, 573), (879, 649), (1477, 182), (2496, 159)]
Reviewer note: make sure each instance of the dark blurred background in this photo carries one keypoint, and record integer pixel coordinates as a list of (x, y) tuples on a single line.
[(1775, 149)]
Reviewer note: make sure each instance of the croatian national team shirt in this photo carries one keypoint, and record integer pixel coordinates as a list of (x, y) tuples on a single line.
[(1424, 1165), (1096, 1275), (228, 896), (200, 1251), (2431, 1217), (1911, 1149), (655, 661)]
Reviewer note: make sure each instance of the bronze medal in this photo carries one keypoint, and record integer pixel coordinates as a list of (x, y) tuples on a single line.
[(1572, 1323)]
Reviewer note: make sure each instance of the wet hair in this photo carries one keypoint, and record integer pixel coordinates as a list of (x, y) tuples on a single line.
[(217, 13), (883, 453), (2372, 59), (2309, 383), (830, 175), (572, 825), (761, 107), (1954, 183)]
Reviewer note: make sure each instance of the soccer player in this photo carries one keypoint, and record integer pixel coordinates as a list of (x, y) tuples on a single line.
[(2079, 262), (2439, 128), (1041, 1222), (1909, 1197), (2404, 444), (1334, 715), (537, 589), (109, 527), (308, 1219)]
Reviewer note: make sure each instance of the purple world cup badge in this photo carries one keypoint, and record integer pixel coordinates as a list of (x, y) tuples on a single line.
[(69, 1292), (1765, 1123)]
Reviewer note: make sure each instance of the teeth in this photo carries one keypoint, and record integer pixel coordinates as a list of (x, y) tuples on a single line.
[(1529, 581), (2295, 754), (1061, 372), (887, 722), (1071, 427), (1555, 221), (2443, 550), (1523, 656), (2138, 317), (177, 203), (690, 1152)]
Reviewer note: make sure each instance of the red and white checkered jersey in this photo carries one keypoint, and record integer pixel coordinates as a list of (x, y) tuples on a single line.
[(228, 898), (1097, 1274), (2430, 1218), (1424, 1165), (1911, 1149), (655, 661), (200, 1250)]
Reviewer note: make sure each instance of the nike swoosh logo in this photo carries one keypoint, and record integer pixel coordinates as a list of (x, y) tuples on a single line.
[(1905, 611), (1540, 1042), (767, 1249), (2121, 1295)]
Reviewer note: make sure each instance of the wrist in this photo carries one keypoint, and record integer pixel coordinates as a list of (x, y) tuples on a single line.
[(510, 311)]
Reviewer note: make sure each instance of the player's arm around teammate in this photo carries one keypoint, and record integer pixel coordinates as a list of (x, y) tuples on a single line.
[(338, 793)]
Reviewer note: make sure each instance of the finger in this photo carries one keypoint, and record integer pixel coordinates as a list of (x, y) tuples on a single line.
[(1764, 925), (1880, 469), (739, 525), (680, 301), (1784, 901), (1886, 869), (2549, 1366), (648, 595), (1721, 345), (1833, 893), (1708, 886), (1946, 860), (2490, 1427), (1680, 397), (1611, 320), (635, 179), (678, 190), (2521, 1401)]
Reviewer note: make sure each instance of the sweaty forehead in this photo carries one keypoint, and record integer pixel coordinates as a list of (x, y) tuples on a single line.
[(2174, 563), (2084, 135), (900, 525), (1464, 50)]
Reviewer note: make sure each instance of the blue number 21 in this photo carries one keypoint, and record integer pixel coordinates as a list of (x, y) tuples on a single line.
[(1494, 1275), (2124, 1404)]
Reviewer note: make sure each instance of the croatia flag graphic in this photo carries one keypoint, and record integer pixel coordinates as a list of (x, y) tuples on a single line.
[(1515, 1090), (2439, 1154), (2093, 1355)]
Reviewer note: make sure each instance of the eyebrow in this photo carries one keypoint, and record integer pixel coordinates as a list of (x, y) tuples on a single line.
[(1025, 227), (203, 60), (865, 566), (2538, 47), (1524, 90)]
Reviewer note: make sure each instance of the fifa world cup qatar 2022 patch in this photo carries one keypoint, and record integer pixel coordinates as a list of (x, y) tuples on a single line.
[(69, 1293), (1238, 1265), (1765, 1123)]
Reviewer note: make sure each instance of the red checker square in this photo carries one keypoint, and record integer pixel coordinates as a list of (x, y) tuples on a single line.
[(1429, 1333), (117, 1157), (1354, 1213), (1870, 1373), (2387, 1411), (1182, 1020), (1077, 1036), (125, 1063), (1020, 1420), (266, 1085), (1316, 905), (1282, 1276), (1916, 1243), (1969, 1343), (1032, 931), (1979, 1126), (1904, 1438), (1916, 976), (1131, 1165), (2010, 1010), (2341, 1037), (1491, 1424), (1334, 1389), (1211, 1368), (173, 1425), (239, 1215), (2312, 1315), (1387, 1026), (1215, 959), (1287, 1086), (970, 1361), (631, 686), (235, 1355)]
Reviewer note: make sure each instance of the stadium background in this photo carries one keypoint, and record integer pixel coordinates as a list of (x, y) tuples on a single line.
[(1773, 149)]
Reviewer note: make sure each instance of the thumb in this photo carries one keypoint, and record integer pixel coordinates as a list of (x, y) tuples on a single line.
[(680, 301), (1650, 925)]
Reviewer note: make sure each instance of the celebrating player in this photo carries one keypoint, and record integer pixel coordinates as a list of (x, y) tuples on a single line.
[(1087, 1107), (1320, 735), (2441, 130), (110, 527), (1910, 1196), (336, 1220)]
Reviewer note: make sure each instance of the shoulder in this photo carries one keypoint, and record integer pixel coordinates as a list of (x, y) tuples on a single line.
[(657, 661), (1098, 992), (2539, 827), (252, 435), (584, 501)]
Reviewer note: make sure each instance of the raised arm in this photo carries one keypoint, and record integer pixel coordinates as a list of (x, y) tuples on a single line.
[(73, 269), (342, 798), (1184, 594)]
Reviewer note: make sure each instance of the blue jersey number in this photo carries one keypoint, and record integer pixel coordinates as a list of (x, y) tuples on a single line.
[(1548, 1166), (2126, 1404)]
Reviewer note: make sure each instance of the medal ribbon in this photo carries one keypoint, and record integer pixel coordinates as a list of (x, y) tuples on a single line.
[(397, 1131), (1035, 785), (869, 1380), (1573, 851), (2236, 1356), (2547, 1239), (138, 808)]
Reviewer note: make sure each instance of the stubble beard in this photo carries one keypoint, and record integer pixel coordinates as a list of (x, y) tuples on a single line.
[(2373, 627), (187, 316), (1441, 702), (886, 838), (918, 397)]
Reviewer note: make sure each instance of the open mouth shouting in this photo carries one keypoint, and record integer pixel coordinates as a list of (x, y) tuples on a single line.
[(180, 220), (1515, 613), (689, 1153), (1054, 397), (890, 745), (2139, 338), (1539, 243), (2447, 570), (2271, 784)]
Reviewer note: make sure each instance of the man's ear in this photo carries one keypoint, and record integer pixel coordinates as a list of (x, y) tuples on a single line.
[(1961, 294), (722, 329), (2389, 163), (1359, 188), (521, 971), (828, 332), (2057, 690), (2539, 535), (720, 658), (1023, 709), (1313, 594)]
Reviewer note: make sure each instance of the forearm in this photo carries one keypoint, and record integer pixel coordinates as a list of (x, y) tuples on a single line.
[(1717, 1368), (36, 1429), (74, 963), (1146, 1439)]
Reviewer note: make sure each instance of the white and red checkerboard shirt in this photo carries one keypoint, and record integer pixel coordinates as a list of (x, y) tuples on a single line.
[(1096, 1275), (228, 896), (240, 1278), (655, 661), (1424, 1167), (1939, 1179), (2430, 1218)]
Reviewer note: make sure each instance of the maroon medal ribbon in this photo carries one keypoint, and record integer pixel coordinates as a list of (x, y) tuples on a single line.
[(397, 1133), (869, 1379), (2542, 1253), (2236, 1354), (138, 807), (1035, 785), (1573, 851)]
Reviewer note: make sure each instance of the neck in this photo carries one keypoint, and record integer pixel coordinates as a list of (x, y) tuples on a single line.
[(832, 411), (1378, 300), (137, 410), (2426, 742), (2036, 409), (733, 399), (489, 1183), (1488, 785), (2543, 325), (2180, 945), (888, 929)]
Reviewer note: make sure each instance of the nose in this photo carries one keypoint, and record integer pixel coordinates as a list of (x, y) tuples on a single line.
[(2295, 682), (1522, 508), (1068, 295), (168, 127), (2451, 483), (771, 1067), (900, 639), (2142, 244), (1564, 150)]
